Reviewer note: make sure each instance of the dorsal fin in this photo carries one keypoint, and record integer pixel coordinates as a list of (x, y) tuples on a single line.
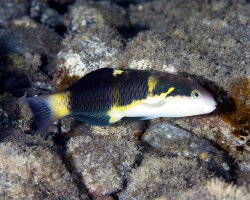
[(94, 75)]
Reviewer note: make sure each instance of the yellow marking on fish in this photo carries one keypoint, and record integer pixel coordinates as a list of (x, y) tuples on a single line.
[(117, 112), (162, 95), (117, 72), (151, 84), (168, 92), (59, 104)]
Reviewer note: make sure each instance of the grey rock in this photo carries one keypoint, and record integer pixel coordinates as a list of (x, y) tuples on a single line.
[(85, 52), (102, 161), (120, 129), (165, 14), (40, 10), (157, 176), (89, 14), (28, 48), (12, 9), (177, 141), (216, 189), (33, 173), (174, 141), (170, 139)]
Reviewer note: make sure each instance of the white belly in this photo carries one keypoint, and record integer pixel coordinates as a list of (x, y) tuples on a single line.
[(150, 111), (166, 108)]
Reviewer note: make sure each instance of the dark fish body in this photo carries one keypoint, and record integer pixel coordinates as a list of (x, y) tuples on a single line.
[(104, 96)]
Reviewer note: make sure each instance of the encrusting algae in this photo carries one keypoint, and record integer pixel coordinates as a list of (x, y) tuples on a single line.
[(239, 118), (66, 81)]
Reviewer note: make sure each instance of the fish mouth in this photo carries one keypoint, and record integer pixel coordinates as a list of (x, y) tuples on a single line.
[(214, 108), (211, 109)]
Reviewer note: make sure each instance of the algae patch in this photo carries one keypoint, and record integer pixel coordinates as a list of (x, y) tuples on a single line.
[(239, 118), (66, 81)]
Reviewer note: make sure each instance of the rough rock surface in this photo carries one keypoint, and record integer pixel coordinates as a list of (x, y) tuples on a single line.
[(165, 14), (213, 52), (26, 56), (216, 189), (174, 141), (84, 15), (33, 173), (48, 45), (12, 9), (102, 161), (158, 176), (84, 52)]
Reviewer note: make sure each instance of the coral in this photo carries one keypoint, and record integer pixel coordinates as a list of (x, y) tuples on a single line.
[(216, 189), (102, 161), (156, 177), (33, 173)]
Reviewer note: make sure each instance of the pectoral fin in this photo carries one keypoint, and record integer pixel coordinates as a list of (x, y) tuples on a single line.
[(154, 102)]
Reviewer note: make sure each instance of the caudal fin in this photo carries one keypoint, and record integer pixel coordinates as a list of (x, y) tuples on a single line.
[(47, 109), (42, 112)]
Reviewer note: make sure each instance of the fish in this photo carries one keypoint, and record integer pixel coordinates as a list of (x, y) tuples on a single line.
[(105, 96)]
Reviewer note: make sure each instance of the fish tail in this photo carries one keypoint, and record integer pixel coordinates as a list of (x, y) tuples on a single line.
[(47, 109)]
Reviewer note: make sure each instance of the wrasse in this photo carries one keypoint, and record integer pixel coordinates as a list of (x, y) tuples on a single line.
[(105, 96)]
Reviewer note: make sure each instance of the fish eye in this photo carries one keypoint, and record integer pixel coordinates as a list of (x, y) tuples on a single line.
[(196, 94)]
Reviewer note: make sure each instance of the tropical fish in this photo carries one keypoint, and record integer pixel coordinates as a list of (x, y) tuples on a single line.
[(105, 96)]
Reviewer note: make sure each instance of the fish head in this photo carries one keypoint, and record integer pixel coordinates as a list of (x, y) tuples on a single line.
[(189, 98)]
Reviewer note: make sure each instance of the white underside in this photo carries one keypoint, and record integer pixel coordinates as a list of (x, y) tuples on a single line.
[(170, 107), (150, 111)]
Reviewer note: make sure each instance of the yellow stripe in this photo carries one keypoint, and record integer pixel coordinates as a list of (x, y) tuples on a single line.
[(117, 72), (116, 112), (169, 91), (59, 104)]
